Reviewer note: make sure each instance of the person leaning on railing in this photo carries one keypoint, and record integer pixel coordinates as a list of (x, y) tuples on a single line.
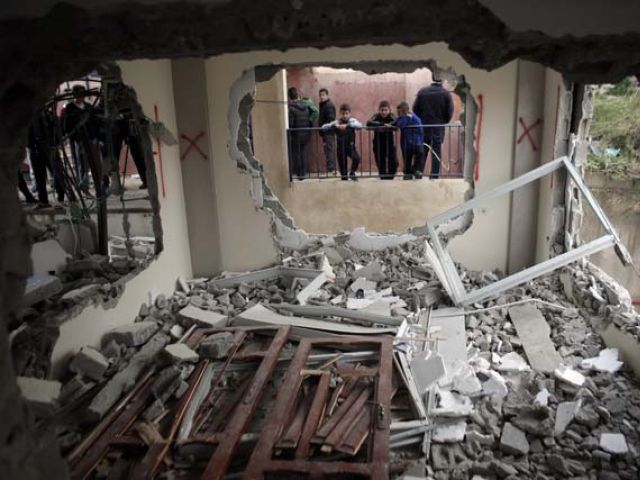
[(384, 146), (411, 141), (345, 129)]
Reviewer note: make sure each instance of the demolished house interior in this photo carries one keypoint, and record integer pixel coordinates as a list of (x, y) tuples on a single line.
[(192, 329)]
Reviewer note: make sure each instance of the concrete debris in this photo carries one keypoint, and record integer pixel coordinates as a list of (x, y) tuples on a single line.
[(606, 361), (451, 404), (485, 385), (40, 286), (360, 240), (179, 352), (565, 414), (533, 330), (448, 431), (217, 346), (191, 315), (495, 385), (569, 375), (132, 335), (48, 257), (90, 363), (41, 395), (513, 440), (125, 379), (512, 362), (614, 443), (427, 368)]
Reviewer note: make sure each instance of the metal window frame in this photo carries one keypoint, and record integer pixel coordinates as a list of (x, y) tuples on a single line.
[(445, 268)]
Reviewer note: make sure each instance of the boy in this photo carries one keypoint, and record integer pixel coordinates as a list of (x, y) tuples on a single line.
[(345, 129), (299, 133), (384, 147), (327, 115), (411, 141)]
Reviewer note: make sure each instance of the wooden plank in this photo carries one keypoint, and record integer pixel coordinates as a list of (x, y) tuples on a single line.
[(534, 333)]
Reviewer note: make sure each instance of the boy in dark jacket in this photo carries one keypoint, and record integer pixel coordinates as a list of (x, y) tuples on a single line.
[(345, 131), (327, 115), (411, 141), (384, 146), (299, 133)]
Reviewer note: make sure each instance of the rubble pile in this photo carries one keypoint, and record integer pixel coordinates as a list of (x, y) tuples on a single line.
[(344, 361)]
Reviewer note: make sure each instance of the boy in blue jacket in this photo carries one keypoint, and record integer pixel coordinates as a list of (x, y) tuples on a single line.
[(411, 141)]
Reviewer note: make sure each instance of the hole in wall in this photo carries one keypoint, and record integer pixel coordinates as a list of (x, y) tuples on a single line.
[(323, 203), (90, 195)]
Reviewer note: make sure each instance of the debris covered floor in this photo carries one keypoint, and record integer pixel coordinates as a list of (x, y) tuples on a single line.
[(348, 364)]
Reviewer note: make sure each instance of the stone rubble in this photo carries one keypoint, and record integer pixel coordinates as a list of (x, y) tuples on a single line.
[(497, 417)]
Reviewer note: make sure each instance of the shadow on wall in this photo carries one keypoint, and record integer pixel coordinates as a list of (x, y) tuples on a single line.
[(329, 206), (90, 194)]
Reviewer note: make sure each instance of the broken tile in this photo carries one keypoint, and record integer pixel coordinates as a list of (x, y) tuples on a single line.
[(567, 374), (495, 385), (606, 361), (373, 272), (615, 443), (363, 284)]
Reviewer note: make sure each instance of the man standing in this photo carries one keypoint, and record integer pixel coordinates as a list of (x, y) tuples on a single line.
[(327, 115), (299, 133), (434, 106)]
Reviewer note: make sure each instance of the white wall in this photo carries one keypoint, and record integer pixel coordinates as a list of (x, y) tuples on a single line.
[(153, 83), (243, 243)]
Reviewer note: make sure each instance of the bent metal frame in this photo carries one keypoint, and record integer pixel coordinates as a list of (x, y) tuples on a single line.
[(446, 270)]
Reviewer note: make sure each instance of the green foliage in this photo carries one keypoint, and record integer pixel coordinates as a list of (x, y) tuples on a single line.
[(616, 125)]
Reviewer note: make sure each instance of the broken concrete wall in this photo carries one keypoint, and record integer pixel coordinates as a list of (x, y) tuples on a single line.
[(498, 92), (152, 80)]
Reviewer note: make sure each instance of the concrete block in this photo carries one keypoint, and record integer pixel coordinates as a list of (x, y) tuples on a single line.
[(125, 379), (132, 335), (75, 238), (48, 257), (513, 440), (90, 363), (363, 284), (41, 395), (40, 287), (180, 352), (81, 293), (191, 315), (452, 405), (447, 431), (512, 362), (615, 443), (216, 346), (372, 271)]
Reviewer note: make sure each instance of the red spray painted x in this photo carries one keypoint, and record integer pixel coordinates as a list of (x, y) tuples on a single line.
[(526, 132), (193, 145)]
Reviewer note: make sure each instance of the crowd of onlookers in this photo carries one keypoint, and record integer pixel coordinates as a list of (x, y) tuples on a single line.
[(79, 131), (422, 130)]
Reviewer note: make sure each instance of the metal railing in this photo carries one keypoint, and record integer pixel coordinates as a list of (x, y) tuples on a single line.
[(434, 151)]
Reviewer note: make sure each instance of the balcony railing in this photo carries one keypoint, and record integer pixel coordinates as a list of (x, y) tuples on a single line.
[(434, 151)]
